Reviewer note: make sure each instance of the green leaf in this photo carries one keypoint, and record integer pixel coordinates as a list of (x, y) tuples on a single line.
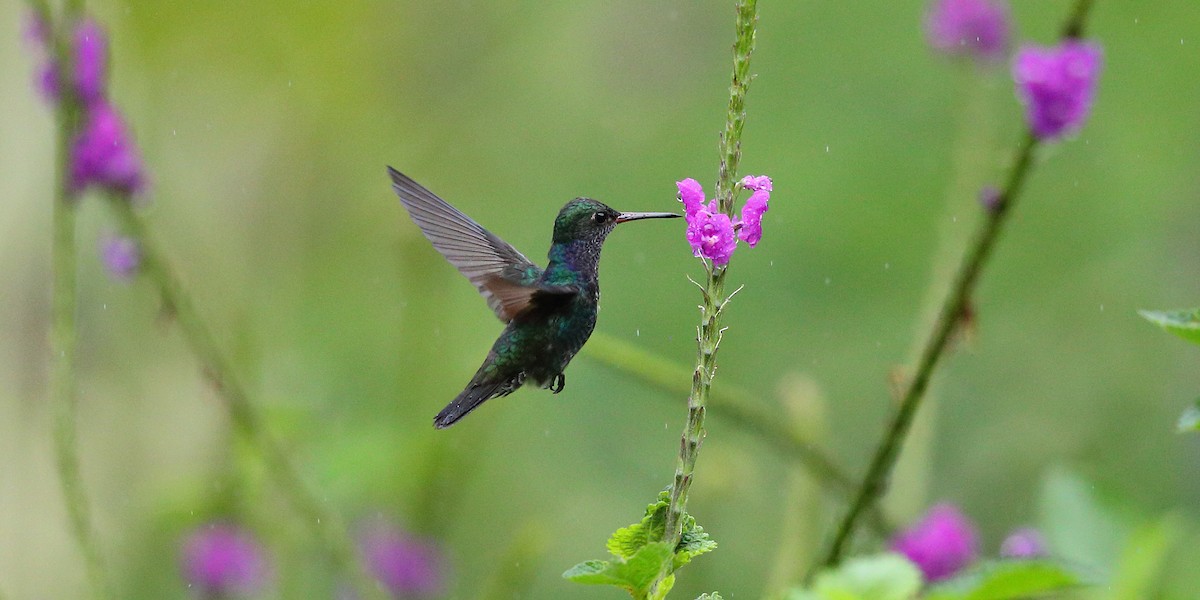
[(1139, 569), (1081, 525), (1007, 580), (636, 550), (692, 543), (635, 575), (1190, 419), (1183, 323), (880, 577), (626, 541), (712, 596)]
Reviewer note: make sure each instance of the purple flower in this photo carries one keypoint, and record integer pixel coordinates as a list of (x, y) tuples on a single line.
[(37, 35), (761, 182), (976, 28), (121, 256), (756, 205), (221, 559), (940, 544), (406, 566), (712, 234), (1057, 86), (691, 194), (1023, 543), (104, 154), (91, 54)]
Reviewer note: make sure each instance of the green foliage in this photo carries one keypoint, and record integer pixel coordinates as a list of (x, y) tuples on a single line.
[(880, 577), (1183, 323), (712, 596), (1102, 535), (640, 555), (1007, 580), (1190, 419)]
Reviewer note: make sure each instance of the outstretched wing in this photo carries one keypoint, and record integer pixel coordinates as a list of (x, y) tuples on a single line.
[(505, 278)]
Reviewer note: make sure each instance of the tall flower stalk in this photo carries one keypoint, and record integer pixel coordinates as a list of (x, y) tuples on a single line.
[(713, 290), (954, 308), (64, 306)]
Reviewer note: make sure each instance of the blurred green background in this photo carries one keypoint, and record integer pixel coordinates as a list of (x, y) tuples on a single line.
[(266, 128)]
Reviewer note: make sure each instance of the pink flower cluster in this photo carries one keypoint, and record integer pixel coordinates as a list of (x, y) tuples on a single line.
[(103, 152), (945, 542), (713, 234), (975, 28), (1057, 86)]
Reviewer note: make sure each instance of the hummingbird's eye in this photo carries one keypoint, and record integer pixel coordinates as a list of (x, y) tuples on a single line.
[(600, 218)]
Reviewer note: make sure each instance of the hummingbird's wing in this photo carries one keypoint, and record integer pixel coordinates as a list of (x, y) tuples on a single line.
[(505, 278)]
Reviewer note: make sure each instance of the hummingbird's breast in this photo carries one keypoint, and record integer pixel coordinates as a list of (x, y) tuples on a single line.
[(547, 342)]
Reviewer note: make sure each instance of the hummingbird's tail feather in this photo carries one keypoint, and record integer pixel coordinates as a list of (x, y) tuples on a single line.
[(477, 393)]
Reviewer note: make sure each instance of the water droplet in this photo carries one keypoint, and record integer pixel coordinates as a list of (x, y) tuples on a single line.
[(771, 263), (887, 265), (827, 145), (828, 281), (1101, 308), (637, 332)]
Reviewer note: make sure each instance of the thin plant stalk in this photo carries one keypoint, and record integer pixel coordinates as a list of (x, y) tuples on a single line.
[(326, 524), (64, 390), (715, 300), (950, 316)]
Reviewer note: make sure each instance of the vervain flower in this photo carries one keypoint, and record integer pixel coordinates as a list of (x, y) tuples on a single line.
[(976, 28), (405, 565), (712, 234), (104, 154), (1023, 543), (91, 54), (1057, 86), (121, 256), (940, 544), (221, 559)]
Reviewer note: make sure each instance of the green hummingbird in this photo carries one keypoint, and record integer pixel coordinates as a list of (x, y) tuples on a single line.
[(549, 313)]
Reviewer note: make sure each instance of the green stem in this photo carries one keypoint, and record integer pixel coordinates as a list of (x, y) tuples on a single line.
[(738, 406), (953, 308), (714, 292), (63, 386), (326, 524)]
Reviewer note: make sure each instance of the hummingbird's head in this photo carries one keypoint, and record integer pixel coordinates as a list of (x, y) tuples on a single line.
[(584, 219)]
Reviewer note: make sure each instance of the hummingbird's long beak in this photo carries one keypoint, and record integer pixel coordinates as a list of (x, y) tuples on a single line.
[(633, 216)]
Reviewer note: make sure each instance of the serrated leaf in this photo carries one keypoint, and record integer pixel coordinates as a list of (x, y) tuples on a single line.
[(692, 543), (712, 596), (635, 575), (626, 541), (1189, 421), (1007, 580), (880, 577), (1183, 323)]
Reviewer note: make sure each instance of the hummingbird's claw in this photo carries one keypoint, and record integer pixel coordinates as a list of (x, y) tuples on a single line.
[(557, 384)]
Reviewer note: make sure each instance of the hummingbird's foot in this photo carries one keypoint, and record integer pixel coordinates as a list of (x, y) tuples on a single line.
[(556, 385)]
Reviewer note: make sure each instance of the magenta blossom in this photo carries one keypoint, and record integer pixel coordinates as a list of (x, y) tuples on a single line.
[(221, 559), (91, 56), (89, 47), (1057, 86), (976, 28), (103, 153), (712, 234), (940, 544), (405, 565), (121, 256), (1026, 542)]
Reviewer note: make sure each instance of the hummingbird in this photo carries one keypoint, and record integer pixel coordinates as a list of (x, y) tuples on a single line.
[(548, 313)]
